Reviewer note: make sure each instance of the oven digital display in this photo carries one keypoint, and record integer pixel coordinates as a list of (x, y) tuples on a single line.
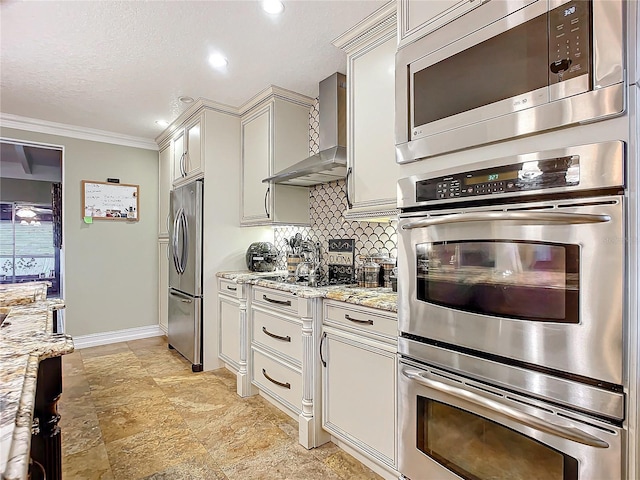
[(491, 177)]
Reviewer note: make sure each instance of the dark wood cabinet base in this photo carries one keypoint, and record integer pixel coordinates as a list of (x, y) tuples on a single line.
[(46, 445)]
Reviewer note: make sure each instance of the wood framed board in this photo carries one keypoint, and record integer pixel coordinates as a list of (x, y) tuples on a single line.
[(110, 201)]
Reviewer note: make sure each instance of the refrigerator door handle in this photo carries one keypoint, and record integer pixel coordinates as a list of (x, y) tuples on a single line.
[(185, 244), (183, 298), (174, 241)]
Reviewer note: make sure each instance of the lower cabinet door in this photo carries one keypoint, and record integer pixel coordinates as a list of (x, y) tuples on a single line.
[(359, 395), (230, 335)]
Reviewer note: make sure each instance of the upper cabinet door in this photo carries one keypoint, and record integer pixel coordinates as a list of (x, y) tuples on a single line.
[(373, 171), (193, 159), (275, 135), (256, 155), (188, 147), (420, 17), (179, 152), (165, 170)]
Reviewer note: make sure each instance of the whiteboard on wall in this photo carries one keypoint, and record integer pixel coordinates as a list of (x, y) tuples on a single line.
[(110, 201)]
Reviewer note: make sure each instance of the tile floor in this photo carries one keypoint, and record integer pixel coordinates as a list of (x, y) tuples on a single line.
[(134, 410)]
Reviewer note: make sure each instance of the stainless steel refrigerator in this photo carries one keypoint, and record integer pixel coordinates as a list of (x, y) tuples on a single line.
[(185, 272)]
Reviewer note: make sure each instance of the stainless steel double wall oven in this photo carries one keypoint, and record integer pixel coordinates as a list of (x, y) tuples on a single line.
[(511, 294)]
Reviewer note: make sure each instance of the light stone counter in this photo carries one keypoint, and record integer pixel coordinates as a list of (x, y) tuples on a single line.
[(26, 338), (379, 298)]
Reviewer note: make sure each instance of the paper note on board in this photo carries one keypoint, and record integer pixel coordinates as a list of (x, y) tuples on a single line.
[(88, 219)]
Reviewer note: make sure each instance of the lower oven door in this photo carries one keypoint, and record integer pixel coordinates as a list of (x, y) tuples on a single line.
[(452, 427), (541, 283)]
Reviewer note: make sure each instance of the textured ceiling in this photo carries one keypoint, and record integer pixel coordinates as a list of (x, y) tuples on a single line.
[(120, 66)]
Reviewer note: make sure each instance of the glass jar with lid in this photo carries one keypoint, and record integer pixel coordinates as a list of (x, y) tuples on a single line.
[(371, 273)]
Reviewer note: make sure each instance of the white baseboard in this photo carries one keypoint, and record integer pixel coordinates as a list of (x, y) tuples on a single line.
[(96, 339), (164, 328)]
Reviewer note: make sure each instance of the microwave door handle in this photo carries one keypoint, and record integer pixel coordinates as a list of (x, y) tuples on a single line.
[(567, 432), (533, 218)]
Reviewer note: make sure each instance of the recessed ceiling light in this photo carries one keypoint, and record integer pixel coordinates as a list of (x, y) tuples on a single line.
[(162, 123), (273, 7), (185, 99), (216, 60)]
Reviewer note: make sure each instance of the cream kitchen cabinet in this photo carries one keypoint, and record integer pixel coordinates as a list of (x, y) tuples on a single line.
[(188, 149), (163, 283), (164, 188), (358, 351), (420, 17), (284, 345), (232, 332), (372, 169), (275, 135)]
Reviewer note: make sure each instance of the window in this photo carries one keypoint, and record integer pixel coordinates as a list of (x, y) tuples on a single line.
[(27, 251)]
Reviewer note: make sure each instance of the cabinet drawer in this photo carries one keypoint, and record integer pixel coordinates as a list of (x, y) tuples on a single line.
[(277, 300), (229, 287), (277, 379), (364, 319), (280, 334)]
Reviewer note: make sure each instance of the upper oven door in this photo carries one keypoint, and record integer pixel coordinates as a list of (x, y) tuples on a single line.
[(541, 283), (521, 66)]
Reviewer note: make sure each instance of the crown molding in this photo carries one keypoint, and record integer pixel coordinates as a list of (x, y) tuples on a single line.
[(18, 122), (377, 24), (275, 92), (195, 109)]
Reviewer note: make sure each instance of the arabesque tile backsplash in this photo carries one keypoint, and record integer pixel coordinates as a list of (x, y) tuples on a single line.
[(327, 204)]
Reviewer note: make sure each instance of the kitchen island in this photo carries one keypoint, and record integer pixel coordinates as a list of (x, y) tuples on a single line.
[(27, 341)]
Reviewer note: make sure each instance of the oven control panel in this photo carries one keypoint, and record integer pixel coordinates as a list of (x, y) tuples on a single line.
[(535, 175)]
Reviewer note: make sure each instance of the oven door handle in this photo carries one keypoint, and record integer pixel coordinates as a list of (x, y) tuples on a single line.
[(533, 218), (567, 432)]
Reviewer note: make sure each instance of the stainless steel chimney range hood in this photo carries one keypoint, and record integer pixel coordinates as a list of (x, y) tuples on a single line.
[(331, 163)]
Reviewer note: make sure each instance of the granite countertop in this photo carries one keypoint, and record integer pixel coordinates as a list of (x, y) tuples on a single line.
[(26, 338), (380, 298)]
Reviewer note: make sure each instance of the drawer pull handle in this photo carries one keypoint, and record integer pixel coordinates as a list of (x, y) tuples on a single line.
[(278, 337), (285, 385), (279, 302), (367, 322), (324, 362), (233, 289)]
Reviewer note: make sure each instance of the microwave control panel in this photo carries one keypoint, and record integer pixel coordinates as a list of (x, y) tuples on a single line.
[(536, 175), (569, 42)]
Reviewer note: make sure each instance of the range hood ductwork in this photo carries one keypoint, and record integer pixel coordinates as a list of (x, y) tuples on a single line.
[(331, 163)]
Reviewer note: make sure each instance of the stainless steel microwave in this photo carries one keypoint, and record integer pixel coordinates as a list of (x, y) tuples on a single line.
[(506, 69)]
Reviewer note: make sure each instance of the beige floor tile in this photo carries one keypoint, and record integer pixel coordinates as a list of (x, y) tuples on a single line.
[(237, 435), (195, 469), (80, 433), (123, 391), (152, 451), (348, 468), (161, 365), (148, 342), (76, 400), (91, 464), (287, 461), (101, 350), (135, 411), (125, 420), (72, 364)]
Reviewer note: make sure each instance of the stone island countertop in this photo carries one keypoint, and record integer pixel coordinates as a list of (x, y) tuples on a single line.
[(379, 298), (26, 338)]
